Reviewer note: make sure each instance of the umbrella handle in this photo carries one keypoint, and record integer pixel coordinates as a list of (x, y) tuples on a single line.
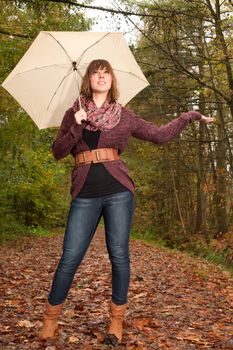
[(76, 78)]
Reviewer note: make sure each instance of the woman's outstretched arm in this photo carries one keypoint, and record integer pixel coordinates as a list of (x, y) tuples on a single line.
[(148, 131)]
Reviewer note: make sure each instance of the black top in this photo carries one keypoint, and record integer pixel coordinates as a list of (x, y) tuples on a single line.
[(99, 181)]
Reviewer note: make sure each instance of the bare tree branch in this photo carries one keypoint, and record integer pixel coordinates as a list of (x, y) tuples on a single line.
[(19, 35), (178, 64), (168, 13), (99, 8)]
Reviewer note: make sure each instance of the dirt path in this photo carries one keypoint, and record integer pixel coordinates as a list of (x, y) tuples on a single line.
[(175, 302)]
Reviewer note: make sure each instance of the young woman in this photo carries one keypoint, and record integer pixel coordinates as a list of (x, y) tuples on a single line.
[(96, 135)]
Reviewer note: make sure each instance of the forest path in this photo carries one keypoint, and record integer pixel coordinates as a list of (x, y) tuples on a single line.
[(175, 301)]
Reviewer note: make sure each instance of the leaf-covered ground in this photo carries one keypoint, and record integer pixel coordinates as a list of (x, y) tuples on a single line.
[(175, 301)]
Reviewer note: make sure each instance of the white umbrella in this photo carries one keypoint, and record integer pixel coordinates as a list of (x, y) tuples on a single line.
[(45, 82)]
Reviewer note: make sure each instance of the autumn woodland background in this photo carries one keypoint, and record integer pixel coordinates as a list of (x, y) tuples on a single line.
[(184, 189)]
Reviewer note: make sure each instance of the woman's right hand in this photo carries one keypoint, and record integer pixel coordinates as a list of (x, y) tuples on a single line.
[(80, 116)]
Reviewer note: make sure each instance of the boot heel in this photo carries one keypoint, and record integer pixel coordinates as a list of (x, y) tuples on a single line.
[(111, 339)]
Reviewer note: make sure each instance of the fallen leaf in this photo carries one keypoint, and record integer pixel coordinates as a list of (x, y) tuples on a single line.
[(25, 323), (73, 339)]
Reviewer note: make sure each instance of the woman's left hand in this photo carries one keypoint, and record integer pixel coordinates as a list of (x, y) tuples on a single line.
[(207, 120)]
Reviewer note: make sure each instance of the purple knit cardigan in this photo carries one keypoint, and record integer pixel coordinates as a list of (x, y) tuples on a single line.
[(69, 140)]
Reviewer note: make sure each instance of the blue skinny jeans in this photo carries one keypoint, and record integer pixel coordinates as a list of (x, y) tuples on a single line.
[(84, 215)]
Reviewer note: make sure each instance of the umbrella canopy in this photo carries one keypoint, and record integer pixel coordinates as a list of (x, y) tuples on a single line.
[(46, 80)]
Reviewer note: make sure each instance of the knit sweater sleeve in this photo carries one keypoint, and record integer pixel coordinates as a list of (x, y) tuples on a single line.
[(148, 131), (69, 134)]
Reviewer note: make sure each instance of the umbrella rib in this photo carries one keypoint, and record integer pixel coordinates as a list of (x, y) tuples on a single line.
[(124, 71), (96, 42), (55, 92), (35, 68), (51, 64), (61, 46)]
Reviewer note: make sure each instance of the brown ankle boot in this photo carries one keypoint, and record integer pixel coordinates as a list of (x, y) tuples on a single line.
[(117, 314), (50, 323)]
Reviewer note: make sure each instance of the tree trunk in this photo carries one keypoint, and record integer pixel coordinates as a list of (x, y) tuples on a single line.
[(200, 224), (201, 198), (221, 170)]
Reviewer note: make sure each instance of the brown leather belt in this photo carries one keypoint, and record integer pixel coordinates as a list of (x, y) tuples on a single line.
[(96, 156)]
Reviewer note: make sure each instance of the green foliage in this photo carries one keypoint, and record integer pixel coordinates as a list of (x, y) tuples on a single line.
[(33, 186), (195, 247), (178, 55), (30, 178), (204, 249)]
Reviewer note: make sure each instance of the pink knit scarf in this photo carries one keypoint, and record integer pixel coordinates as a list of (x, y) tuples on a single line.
[(103, 118)]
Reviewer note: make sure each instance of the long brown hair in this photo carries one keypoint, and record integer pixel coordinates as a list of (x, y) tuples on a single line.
[(113, 93)]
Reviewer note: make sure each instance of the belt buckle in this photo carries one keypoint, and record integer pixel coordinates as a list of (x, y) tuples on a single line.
[(98, 157)]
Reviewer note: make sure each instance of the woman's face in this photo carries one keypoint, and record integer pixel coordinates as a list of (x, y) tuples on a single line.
[(101, 81)]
